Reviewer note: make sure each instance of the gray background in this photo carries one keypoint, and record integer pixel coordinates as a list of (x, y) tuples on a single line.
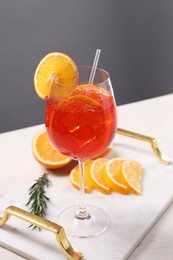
[(136, 38)]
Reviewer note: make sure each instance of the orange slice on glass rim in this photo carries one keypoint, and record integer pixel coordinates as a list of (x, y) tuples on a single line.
[(46, 154), (57, 69)]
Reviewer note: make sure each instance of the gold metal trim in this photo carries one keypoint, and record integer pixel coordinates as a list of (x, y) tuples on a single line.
[(58, 230), (163, 158)]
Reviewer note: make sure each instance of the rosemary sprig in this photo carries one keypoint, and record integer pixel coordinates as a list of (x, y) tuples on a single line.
[(38, 200)]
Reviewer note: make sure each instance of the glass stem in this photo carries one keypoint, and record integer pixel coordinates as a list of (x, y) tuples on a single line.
[(82, 212)]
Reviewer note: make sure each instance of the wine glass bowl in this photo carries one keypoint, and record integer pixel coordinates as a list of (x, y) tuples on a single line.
[(81, 125)]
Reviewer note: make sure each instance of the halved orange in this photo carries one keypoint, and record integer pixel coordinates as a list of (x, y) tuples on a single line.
[(75, 177), (130, 175), (46, 154), (111, 175), (97, 175), (58, 69)]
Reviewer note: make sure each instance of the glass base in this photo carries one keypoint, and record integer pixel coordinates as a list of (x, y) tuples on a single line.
[(95, 223)]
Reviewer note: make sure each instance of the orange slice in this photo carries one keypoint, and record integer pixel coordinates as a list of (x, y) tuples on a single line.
[(59, 69), (75, 177), (99, 182), (83, 99), (84, 88), (104, 153), (131, 175), (78, 103), (46, 154), (111, 175)]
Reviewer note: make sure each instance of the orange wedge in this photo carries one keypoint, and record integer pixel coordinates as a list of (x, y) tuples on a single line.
[(130, 174), (75, 177), (58, 69), (111, 175), (46, 154), (99, 182)]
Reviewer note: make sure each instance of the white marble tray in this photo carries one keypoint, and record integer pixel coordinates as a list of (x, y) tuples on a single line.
[(131, 216)]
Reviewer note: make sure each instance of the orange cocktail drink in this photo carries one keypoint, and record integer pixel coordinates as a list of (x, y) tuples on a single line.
[(83, 124)]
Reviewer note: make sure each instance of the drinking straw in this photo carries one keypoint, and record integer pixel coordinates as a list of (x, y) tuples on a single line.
[(94, 67)]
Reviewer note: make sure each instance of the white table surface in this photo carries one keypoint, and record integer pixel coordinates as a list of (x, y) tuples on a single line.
[(151, 117)]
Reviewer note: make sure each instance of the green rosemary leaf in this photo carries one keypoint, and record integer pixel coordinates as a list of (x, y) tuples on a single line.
[(37, 198)]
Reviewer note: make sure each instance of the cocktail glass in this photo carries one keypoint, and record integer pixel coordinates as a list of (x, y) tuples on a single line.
[(81, 125)]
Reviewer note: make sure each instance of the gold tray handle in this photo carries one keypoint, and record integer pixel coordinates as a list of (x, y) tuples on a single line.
[(43, 223), (163, 158)]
